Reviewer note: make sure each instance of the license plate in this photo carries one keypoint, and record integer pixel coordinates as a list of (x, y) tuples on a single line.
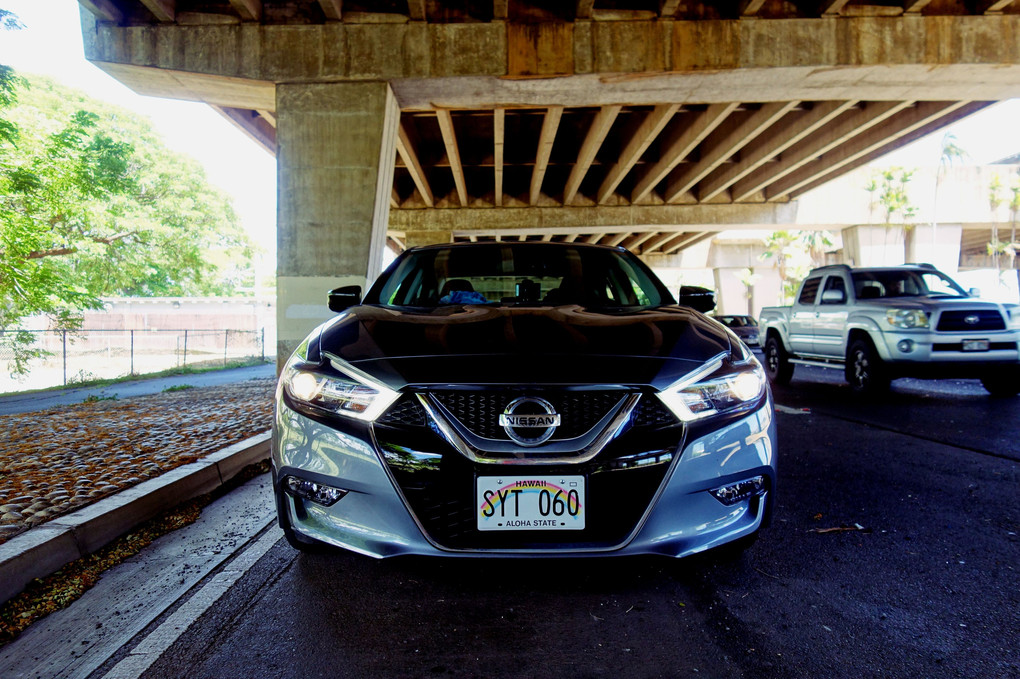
[(975, 345), (530, 502)]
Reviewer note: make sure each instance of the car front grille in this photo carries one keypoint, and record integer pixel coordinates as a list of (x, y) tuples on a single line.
[(956, 321), (479, 411)]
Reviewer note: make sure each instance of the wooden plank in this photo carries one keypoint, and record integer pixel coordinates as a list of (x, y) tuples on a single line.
[(844, 129), (453, 153), (248, 10), (757, 123), (165, 11), (749, 8), (104, 10), (584, 8), (831, 7), (498, 128), (774, 142), (678, 148), (594, 238), (600, 127), (334, 9), (903, 123), (550, 124), (416, 10), (900, 141), (394, 197), (405, 149), (650, 128)]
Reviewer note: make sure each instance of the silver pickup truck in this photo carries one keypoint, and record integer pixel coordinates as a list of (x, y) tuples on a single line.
[(881, 323)]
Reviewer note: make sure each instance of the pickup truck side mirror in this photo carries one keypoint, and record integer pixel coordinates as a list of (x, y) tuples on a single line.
[(345, 297), (699, 299), (974, 292), (834, 297)]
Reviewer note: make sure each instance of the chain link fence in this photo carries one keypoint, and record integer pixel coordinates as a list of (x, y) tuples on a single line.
[(75, 356)]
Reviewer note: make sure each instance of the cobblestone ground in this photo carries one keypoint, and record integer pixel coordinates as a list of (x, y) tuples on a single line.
[(54, 461)]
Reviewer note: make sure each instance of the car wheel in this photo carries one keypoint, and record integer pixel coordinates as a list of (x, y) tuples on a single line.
[(1003, 383), (777, 362), (864, 370)]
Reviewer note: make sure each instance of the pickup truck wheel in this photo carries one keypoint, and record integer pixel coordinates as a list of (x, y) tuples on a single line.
[(777, 362), (1003, 383), (864, 370)]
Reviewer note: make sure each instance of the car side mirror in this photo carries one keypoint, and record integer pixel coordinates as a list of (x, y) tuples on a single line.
[(699, 299), (345, 297), (974, 292), (834, 297)]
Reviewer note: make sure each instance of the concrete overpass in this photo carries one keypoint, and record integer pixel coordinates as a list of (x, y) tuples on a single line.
[(645, 124)]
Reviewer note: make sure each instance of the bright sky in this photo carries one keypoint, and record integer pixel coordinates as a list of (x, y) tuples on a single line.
[(51, 44)]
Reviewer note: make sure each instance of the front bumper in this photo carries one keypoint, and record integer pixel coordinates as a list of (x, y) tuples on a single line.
[(942, 354), (376, 517)]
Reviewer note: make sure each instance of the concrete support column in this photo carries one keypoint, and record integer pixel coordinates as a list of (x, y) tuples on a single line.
[(873, 245), (939, 246), (336, 144)]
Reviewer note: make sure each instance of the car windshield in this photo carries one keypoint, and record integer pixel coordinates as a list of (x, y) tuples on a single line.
[(518, 274), (904, 283)]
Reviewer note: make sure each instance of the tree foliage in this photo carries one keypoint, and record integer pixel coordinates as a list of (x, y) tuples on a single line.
[(92, 204)]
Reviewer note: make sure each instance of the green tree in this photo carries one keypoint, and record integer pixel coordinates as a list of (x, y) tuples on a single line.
[(92, 204), (995, 247)]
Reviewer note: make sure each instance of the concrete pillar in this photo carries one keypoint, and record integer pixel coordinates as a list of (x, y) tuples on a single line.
[(873, 245), (413, 239), (939, 246), (335, 157)]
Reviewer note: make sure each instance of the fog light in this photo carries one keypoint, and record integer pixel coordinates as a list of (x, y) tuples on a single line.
[(316, 492), (735, 492), (906, 346)]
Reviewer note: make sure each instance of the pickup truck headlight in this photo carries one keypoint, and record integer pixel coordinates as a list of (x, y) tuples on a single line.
[(336, 388), (725, 385), (907, 318)]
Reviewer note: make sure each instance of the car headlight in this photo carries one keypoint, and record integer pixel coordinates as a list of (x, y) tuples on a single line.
[(336, 388), (725, 385), (907, 318)]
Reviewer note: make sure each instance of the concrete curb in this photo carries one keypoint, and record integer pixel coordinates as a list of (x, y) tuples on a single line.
[(46, 548)]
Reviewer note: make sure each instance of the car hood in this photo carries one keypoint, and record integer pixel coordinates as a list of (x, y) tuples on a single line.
[(931, 303), (514, 345)]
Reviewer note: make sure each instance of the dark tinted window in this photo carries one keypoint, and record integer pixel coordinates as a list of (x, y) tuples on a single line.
[(525, 273), (810, 290), (904, 283)]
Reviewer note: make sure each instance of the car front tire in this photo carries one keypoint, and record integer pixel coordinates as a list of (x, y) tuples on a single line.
[(777, 362), (864, 370)]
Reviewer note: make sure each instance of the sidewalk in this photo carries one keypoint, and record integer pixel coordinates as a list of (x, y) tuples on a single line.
[(117, 463)]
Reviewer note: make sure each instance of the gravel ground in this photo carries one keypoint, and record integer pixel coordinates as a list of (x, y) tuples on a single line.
[(58, 460)]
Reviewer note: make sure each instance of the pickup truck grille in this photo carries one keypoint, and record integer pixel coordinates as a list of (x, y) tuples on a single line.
[(956, 321)]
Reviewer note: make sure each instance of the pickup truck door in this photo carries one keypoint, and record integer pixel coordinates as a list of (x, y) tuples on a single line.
[(802, 317), (830, 317)]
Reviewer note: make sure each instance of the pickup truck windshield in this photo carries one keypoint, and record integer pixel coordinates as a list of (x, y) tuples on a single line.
[(518, 274), (904, 283)]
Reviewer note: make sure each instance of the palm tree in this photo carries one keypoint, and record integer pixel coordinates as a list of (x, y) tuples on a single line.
[(950, 153)]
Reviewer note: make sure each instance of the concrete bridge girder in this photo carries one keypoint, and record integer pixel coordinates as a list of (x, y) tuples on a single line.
[(673, 128)]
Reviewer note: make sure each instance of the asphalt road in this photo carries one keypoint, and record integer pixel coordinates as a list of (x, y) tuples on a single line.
[(921, 583)]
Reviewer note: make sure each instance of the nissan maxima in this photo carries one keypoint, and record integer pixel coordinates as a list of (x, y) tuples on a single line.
[(521, 399)]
